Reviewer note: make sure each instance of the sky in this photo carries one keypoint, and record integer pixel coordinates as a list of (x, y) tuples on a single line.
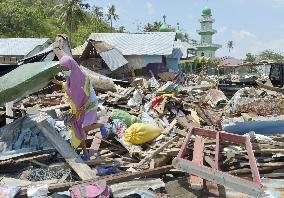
[(253, 25)]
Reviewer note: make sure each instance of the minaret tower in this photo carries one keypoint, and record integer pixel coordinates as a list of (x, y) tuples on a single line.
[(206, 47)]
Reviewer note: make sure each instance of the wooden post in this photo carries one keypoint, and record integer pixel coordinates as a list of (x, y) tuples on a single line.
[(9, 112)]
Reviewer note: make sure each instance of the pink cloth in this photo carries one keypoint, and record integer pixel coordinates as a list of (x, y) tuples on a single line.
[(75, 91), (90, 118), (76, 82), (90, 191)]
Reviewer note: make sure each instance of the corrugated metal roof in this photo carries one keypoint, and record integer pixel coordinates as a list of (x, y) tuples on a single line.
[(77, 51), (183, 46), (113, 58), (228, 61), (177, 53), (20, 46), (150, 43)]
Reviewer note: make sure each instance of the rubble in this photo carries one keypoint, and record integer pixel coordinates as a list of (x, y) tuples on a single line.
[(35, 154)]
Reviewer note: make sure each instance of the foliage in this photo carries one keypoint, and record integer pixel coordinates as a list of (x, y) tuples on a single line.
[(153, 27), (121, 29), (40, 19), (26, 18), (271, 55), (98, 12), (72, 14), (111, 15), (265, 55), (230, 45), (84, 31), (250, 58)]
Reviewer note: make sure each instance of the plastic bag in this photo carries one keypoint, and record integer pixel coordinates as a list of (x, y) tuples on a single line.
[(118, 127), (140, 133), (125, 117)]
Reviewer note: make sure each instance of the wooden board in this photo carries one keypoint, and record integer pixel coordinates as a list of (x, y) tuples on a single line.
[(26, 79), (196, 182), (74, 160)]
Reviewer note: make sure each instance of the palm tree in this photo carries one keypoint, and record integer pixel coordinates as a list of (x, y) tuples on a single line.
[(230, 45), (72, 13), (121, 29), (111, 15), (98, 12)]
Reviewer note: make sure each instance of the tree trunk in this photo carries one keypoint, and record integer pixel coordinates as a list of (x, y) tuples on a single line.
[(70, 36), (111, 24)]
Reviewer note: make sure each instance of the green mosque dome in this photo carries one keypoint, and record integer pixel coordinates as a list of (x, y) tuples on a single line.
[(178, 32), (206, 11), (164, 28)]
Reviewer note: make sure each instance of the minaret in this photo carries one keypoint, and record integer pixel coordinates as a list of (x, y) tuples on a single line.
[(206, 47)]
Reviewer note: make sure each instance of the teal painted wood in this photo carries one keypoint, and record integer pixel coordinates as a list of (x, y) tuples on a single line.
[(26, 79)]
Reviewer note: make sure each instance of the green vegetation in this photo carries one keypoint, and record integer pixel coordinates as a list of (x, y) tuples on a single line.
[(266, 55), (111, 15), (153, 27), (47, 18), (230, 45)]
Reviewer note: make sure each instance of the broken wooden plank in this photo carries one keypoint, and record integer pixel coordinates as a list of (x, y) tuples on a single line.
[(74, 160), (112, 179), (219, 177), (196, 182), (95, 145), (172, 125), (157, 151)]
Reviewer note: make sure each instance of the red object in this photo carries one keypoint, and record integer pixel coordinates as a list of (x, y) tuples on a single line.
[(213, 174), (157, 100)]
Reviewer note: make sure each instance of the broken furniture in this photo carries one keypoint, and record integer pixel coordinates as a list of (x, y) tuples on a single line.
[(214, 174)]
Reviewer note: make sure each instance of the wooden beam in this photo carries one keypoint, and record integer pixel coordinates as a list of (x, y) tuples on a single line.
[(157, 151), (219, 177), (74, 160), (196, 182)]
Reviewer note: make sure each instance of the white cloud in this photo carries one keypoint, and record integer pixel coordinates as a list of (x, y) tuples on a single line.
[(277, 3), (150, 8), (222, 29), (190, 17), (243, 34), (246, 42)]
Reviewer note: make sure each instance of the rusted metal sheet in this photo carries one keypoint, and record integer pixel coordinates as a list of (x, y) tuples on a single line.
[(212, 174)]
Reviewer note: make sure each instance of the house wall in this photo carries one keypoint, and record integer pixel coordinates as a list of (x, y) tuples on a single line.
[(10, 59), (173, 64), (140, 61), (207, 53)]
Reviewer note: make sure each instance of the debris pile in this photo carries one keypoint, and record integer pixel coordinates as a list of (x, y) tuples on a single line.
[(161, 130)]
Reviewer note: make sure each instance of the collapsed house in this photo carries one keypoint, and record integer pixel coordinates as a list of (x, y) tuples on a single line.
[(14, 49), (167, 133), (155, 51)]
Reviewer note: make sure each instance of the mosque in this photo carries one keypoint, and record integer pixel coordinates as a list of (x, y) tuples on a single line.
[(205, 47)]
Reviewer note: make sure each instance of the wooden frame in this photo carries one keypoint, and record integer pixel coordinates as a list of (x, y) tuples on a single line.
[(214, 174)]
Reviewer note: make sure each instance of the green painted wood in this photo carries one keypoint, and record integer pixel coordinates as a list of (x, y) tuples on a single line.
[(26, 79)]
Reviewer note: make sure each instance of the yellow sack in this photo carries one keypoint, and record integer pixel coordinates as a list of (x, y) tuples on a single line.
[(139, 133)]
